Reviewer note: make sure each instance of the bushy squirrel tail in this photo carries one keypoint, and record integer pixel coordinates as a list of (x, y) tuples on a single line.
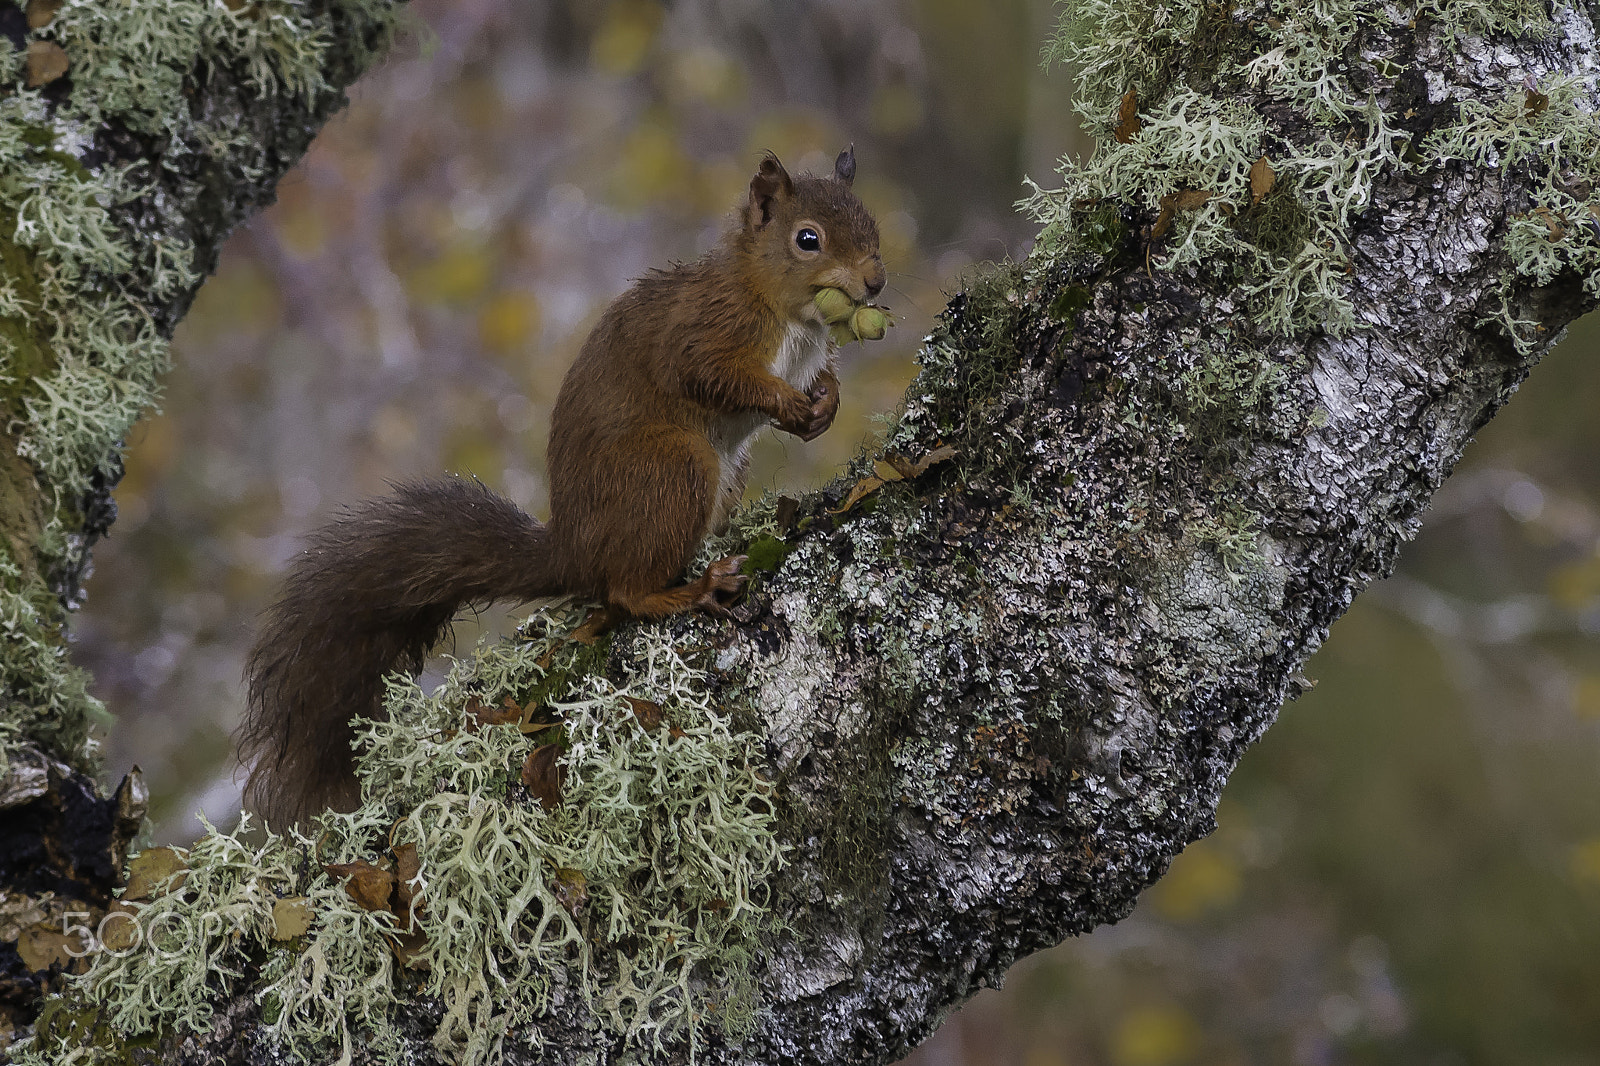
[(373, 591)]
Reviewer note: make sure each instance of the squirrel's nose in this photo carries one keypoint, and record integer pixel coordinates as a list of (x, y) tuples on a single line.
[(875, 280)]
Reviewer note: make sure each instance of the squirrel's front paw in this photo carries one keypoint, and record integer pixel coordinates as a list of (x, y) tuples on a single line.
[(824, 405), (809, 418)]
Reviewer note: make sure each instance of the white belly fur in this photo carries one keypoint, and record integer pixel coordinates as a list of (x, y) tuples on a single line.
[(800, 359)]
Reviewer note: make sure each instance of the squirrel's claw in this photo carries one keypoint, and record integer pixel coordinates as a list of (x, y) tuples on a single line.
[(722, 585)]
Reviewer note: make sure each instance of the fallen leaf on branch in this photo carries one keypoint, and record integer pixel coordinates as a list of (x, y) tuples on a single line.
[(505, 714), (544, 776), (1262, 178), (149, 872), (1128, 122), (291, 917), (370, 886)]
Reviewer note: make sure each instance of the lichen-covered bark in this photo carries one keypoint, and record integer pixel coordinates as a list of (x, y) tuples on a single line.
[(1047, 634), (120, 180), (1122, 505)]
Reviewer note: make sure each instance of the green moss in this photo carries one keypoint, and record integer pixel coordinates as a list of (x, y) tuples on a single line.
[(765, 554)]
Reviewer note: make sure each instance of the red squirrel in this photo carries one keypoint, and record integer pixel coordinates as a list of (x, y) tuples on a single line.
[(648, 452)]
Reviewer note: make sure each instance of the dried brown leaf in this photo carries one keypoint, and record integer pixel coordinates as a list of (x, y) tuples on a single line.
[(1189, 199), (479, 716), (571, 890), (408, 949), (1128, 123), (932, 459), (151, 868), (1173, 202), (46, 63), (42, 12), (406, 889), (788, 509), (372, 887), (863, 488), (1262, 178), (892, 468), (544, 776), (42, 946), (119, 930), (1163, 221), (648, 714), (1552, 222)]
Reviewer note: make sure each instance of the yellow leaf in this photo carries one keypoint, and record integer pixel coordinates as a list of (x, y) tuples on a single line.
[(301, 229), (1576, 586), (291, 917), (892, 468), (896, 109), (150, 870), (705, 74), (120, 930), (1586, 698), (864, 488), (458, 276), (43, 946), (1262, 179), (1586, 863), (652, 167)]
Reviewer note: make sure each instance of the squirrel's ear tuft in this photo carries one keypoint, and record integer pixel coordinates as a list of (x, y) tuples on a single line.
[(844, 168), (771, 184)]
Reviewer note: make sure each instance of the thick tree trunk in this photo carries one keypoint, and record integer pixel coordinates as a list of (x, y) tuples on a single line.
[(1137, 479)]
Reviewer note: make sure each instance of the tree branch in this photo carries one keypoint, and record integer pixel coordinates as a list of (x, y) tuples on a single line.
[(1136, 480)]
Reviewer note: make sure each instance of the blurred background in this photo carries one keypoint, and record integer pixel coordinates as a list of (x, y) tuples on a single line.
[(1407, 868)]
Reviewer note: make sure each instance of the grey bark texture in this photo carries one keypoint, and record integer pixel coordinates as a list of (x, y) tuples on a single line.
[(1000, 694)]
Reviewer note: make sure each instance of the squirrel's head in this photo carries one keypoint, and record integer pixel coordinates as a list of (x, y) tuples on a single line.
[(811, 233)]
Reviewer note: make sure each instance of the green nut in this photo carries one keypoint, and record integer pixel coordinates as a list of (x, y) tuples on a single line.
[(869, 323), (835, 305)]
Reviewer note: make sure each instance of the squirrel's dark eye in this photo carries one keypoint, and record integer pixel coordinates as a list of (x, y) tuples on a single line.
[(807, 240)]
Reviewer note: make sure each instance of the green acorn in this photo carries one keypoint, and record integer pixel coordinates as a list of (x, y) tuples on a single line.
[(835, 305), (869, 323)]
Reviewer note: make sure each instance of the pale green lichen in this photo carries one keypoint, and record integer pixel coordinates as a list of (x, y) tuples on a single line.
[(197, 937), (45, 697), (81, 352), (1550, 131), (1193, 140), (136, 60), (669, 831)]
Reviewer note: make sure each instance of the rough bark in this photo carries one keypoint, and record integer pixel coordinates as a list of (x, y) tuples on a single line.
[(998, 695)]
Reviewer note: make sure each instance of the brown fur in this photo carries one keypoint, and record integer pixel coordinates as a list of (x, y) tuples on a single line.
[(635, 483)]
